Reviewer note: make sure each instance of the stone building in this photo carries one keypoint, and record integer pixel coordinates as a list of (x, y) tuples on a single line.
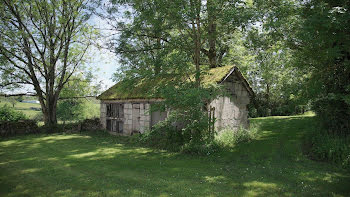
[(125, 108)]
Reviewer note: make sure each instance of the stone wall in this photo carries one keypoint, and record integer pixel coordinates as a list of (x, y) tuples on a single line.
[(8, 128), (231, 110)]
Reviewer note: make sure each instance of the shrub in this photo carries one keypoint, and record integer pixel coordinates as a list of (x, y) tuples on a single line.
[(39, 117), (228, 137), (163, 136), (167, 136), (76, 109), (333, 112), (324, 146), (9, 114)]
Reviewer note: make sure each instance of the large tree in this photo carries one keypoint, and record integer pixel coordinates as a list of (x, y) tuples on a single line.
[(166, 36), (44, 43), (324, 50)]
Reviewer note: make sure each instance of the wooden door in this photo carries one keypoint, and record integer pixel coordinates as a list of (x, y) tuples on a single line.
[(136, 117)]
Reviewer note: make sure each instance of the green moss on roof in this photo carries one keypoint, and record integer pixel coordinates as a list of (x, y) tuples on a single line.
[(144, 88), (215, 75), (137, 89)]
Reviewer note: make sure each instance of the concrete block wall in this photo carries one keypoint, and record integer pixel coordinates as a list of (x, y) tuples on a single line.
[(145, 119), (231, 111), (127, 124), (103, 113), (144, 116)]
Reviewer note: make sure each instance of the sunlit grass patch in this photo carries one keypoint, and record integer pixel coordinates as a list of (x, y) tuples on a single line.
[(98, 164)]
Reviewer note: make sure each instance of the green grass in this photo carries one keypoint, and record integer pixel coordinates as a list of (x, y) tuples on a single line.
[(25, 108), (91, 164)]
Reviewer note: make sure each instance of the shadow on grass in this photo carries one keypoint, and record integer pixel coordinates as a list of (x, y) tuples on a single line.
[(97, 164)]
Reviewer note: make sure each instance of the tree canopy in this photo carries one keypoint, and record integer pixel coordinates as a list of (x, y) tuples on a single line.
[(42, 44)]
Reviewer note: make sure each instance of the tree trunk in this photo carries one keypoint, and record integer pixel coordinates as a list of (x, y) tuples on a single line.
[(212, 33), (196, 38), (49, 109), (267, 96)]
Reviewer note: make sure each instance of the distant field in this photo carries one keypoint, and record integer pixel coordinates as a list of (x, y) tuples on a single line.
[(26, 108), (29, 108)]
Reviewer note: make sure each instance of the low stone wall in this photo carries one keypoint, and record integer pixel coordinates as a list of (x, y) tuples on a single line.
[(85, 125), (91, 125), (9, 128)]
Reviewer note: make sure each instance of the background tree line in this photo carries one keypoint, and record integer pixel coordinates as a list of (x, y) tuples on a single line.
[(294, 53)]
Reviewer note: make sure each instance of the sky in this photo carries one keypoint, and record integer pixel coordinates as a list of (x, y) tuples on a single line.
[(103, 60)]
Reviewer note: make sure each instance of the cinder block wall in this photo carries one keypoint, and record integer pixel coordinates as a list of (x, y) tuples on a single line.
[(103, 113), (143, 117), (231, 111), (127, 118)]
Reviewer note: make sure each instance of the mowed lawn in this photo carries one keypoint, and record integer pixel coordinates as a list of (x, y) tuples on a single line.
[(91, 164)]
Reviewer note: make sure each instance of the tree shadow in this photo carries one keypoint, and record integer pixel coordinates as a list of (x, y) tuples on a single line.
[(98, 164)]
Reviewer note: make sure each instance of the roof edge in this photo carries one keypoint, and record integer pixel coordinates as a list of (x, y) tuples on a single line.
[(240, 75)]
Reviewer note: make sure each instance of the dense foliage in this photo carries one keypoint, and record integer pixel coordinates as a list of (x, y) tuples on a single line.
[(42, 44), (295, 54), (8, 113), (324, 41), (188, 127), (323, 146), (77, 109), (73, 105)]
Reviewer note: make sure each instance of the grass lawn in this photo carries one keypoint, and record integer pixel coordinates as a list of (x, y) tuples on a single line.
[(91, 164)]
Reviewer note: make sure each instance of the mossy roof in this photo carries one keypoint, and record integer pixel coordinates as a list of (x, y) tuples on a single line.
[(144, 88)]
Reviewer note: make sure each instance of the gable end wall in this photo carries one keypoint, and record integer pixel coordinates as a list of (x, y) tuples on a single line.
[(231, 110)]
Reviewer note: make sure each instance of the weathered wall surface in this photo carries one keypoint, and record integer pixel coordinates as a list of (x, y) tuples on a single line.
[(136, 116), (103, 113), (231, 110)]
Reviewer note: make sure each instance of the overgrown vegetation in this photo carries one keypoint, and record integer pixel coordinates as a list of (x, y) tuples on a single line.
[(167, 136), (324, 146), (77, 109), (8, 113), (188, 127), (228, 137)]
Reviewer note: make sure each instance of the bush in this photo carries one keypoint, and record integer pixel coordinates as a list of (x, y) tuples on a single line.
[(163, 136), (9, 114), (39, 117), (76, 109), (167, 136), (228, 137), (333, 112), (323, 146)]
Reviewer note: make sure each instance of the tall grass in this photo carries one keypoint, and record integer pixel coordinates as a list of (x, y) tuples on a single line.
[(228, 137), (323, 146)]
